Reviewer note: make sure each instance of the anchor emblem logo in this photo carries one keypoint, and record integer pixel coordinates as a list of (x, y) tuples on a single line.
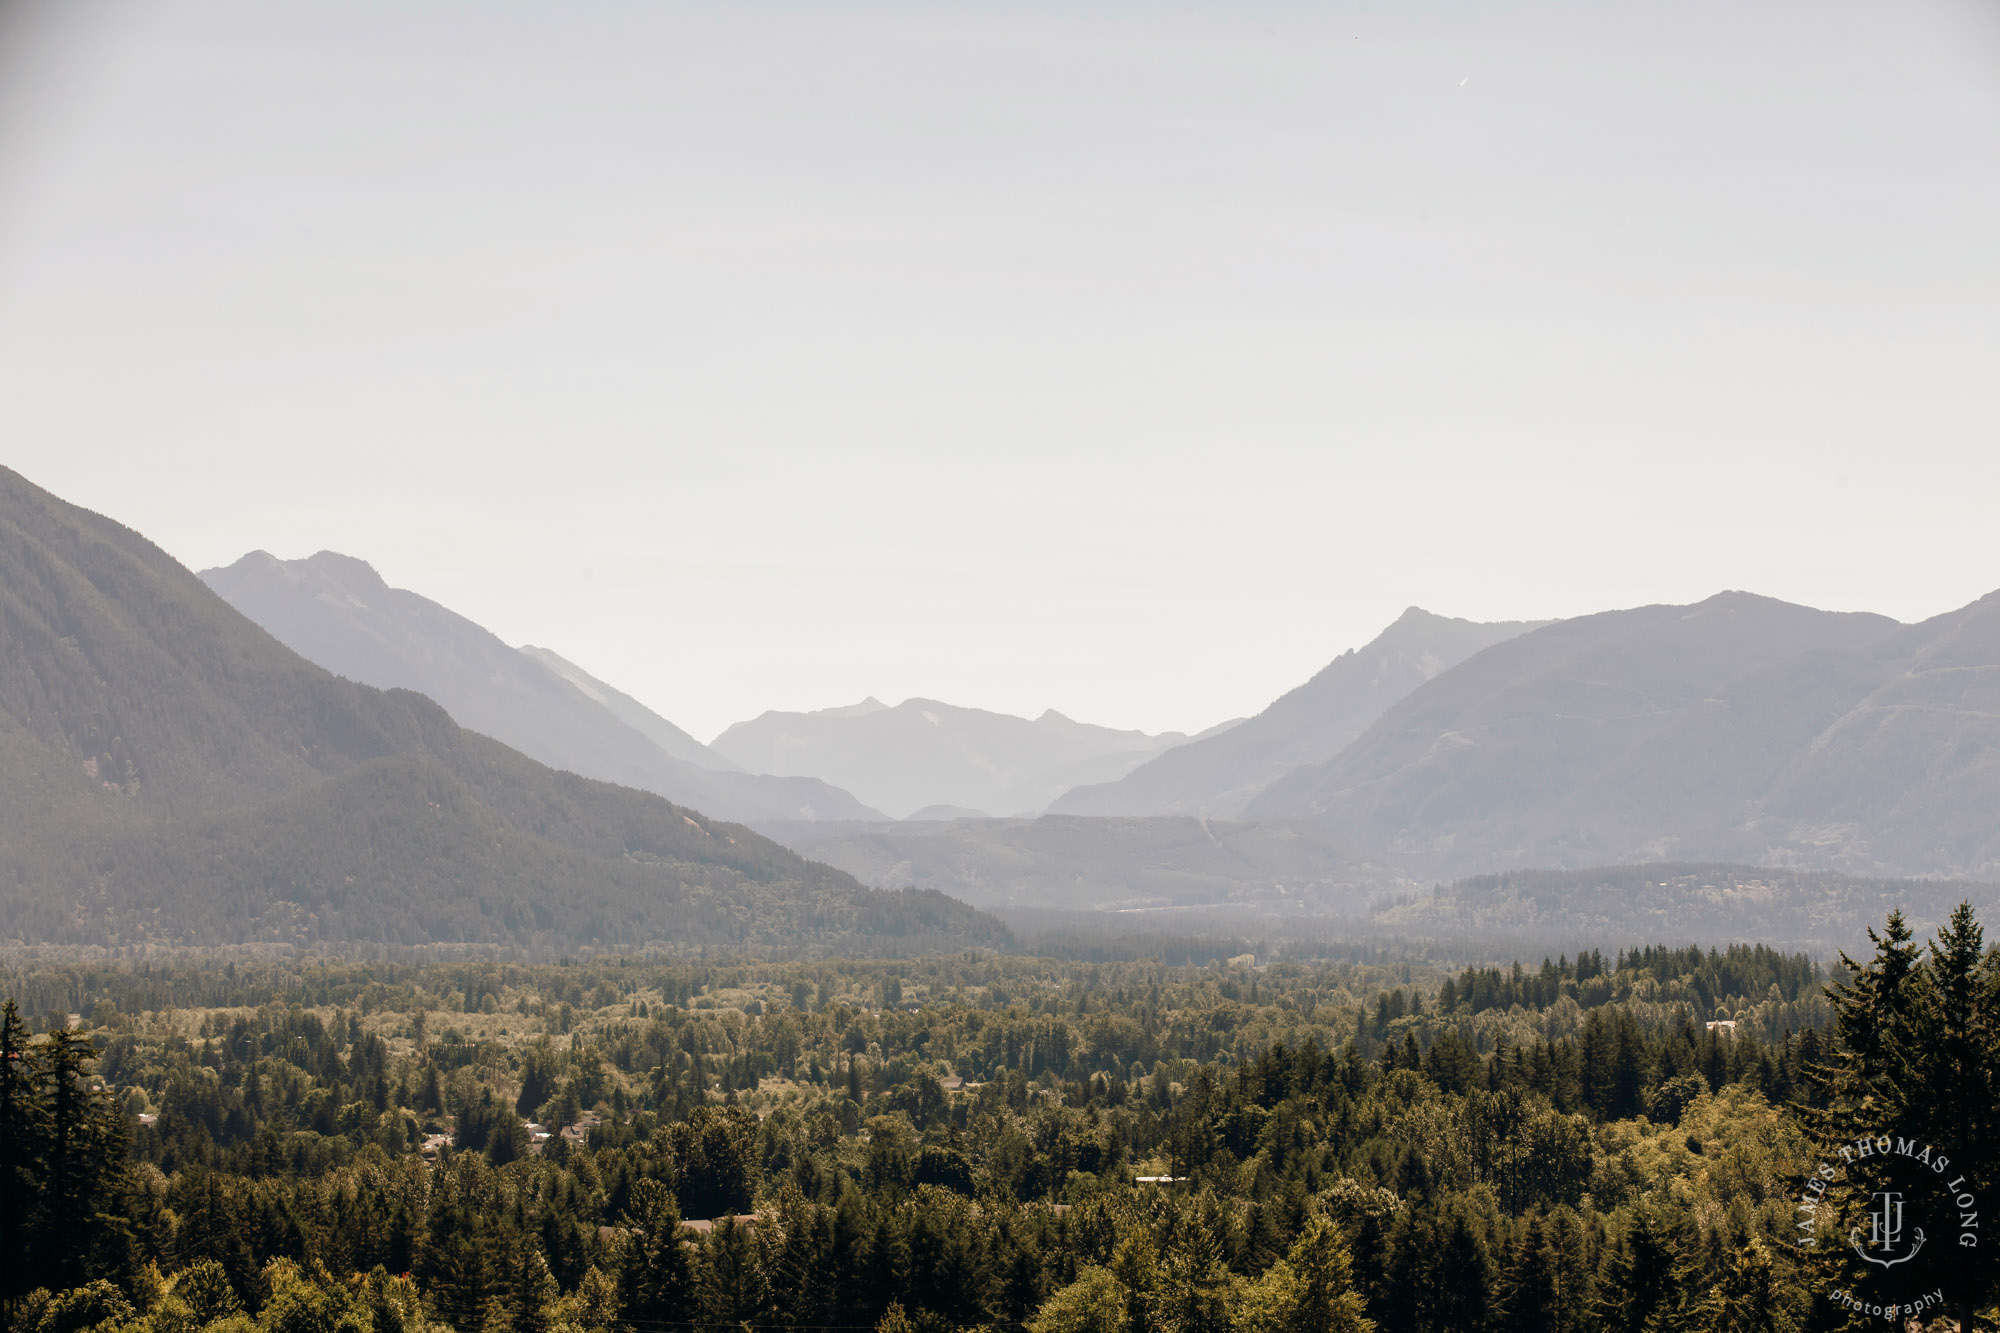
[(1885, 1233)]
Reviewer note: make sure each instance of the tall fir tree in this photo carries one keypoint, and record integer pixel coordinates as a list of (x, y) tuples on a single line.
[(1527, 1294), (83, 1235), (1916, 1058), (1645, 1283), (1753, 1295), (21, 1140), (1310, 1290), (1949, 1085)]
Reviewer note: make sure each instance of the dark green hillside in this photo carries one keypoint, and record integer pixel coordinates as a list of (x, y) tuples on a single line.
[(172, 773)]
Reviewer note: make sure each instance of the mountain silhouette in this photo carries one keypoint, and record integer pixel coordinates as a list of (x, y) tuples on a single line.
[(337, 612), (170, 773), (923, 753), (1219, 775), (1739, 728)]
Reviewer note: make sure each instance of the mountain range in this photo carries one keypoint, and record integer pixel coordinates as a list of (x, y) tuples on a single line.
[(1219, 774), (336, 611), (1739, 728), (172, 774), (923, 756)]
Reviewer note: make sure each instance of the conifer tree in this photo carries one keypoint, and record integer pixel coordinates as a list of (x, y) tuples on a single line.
[(1528, 1286), (1951, 1078), (206, 1290), (1752, 1296), (657, 1283), (1136, 1265), (21, 1137), (1872, 1017), (1095, 1303), (887, 1267), (460, 1265), (1193, 1283), (847, 1252), (1439, 1273), (732, 1286), (1644, 1285), (1568, 1261), (1916, 1057), (83, 1166), (1310, 1290), (1463, 1272)]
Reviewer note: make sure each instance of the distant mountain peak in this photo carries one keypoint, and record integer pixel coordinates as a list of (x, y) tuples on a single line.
[(1417, 622), (1218, 775), (869, 705), (176, 775), (343, 566), (926, 753), (333, 574), (1737, 727), (336, 611)]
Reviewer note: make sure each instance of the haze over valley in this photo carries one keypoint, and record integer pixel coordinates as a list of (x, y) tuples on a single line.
[(924, 757), (1740, 729), (888, 668), (1759, 738)]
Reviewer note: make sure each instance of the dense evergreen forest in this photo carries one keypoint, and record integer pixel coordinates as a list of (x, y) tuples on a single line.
[(977, 1140)]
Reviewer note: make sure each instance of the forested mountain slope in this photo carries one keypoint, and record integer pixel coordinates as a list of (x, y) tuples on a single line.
[(337, 612), (1821, 911), (1218, 776), (1739, 728), (170, 772)]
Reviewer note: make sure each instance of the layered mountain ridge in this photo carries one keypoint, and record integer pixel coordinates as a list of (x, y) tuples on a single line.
[(1739, 728), (337, 612), (924, 753), (171, 774), (1219, 775)]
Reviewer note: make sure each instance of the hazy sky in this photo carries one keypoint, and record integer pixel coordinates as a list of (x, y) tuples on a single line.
[(1131, 360)]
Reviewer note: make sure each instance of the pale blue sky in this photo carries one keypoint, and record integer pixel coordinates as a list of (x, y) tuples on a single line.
[(1131, 360)]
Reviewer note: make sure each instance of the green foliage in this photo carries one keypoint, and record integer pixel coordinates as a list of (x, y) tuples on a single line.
[(64, 1141), (1752, 1297), (1095, 1303), (970, 1158), (1310, 1290), (1916, 1058), (205, 1289), (87, 1306)]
